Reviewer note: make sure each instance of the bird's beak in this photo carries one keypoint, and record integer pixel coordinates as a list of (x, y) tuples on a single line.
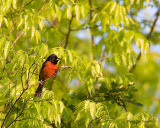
[(58, 59)]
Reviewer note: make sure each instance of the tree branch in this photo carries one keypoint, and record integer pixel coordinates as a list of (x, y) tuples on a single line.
[(148, 37), (154, 24), (69, 31)]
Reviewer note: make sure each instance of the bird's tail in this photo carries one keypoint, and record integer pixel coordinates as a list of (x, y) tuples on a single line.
[(39, 89)]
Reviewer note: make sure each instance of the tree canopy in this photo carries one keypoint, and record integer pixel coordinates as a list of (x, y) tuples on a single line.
[(109, 75)]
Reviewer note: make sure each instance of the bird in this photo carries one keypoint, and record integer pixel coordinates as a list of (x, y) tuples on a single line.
[(48, 70)]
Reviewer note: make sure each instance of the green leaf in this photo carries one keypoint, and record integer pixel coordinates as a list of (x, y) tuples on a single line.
[(83, 9), (87, 105), (20, 22), (2, 42), (70, 56), (59, 13), (112, 8), (32, 32), (38, 36), (1, 19), (94, 17), (69, 12), (118, 60), (124, 59), (93, 110), (6, 22), (77, 11), (61, 107), (78, 116), (14, 3), (87, 122), (6, 49), (98, 69), (41, 23), (126, 115), (26, 23)]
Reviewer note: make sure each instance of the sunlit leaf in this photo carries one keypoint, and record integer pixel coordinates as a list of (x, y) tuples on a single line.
[(92, 110), (77, 10), (6, 48)]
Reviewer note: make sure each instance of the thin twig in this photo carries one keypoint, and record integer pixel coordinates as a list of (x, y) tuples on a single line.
[(22, 75), (64, 67), (30, 70), (15, 85), (62, 42), (17, 38), (92, 37), (148, 37), (9, 95), (154, 24), (42, 100), (41, 7), (103, 59), (90, 124), (34, 69)]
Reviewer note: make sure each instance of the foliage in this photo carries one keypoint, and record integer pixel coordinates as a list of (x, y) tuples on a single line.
[(105, 85)]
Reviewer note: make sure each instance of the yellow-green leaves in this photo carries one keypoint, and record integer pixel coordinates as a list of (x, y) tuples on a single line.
[(122, 41), (41, 23), (142, 120), (90, 111), (113, 14), (80, 11), (43, 50), (142, 42)]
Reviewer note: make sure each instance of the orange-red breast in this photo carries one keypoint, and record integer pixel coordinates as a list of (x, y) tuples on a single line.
[(49, 69)]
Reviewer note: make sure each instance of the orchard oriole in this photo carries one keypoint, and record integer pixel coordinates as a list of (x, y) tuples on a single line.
[(49, 69)]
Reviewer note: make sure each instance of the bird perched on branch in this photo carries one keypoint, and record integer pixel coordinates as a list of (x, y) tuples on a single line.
[(49, 69)]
